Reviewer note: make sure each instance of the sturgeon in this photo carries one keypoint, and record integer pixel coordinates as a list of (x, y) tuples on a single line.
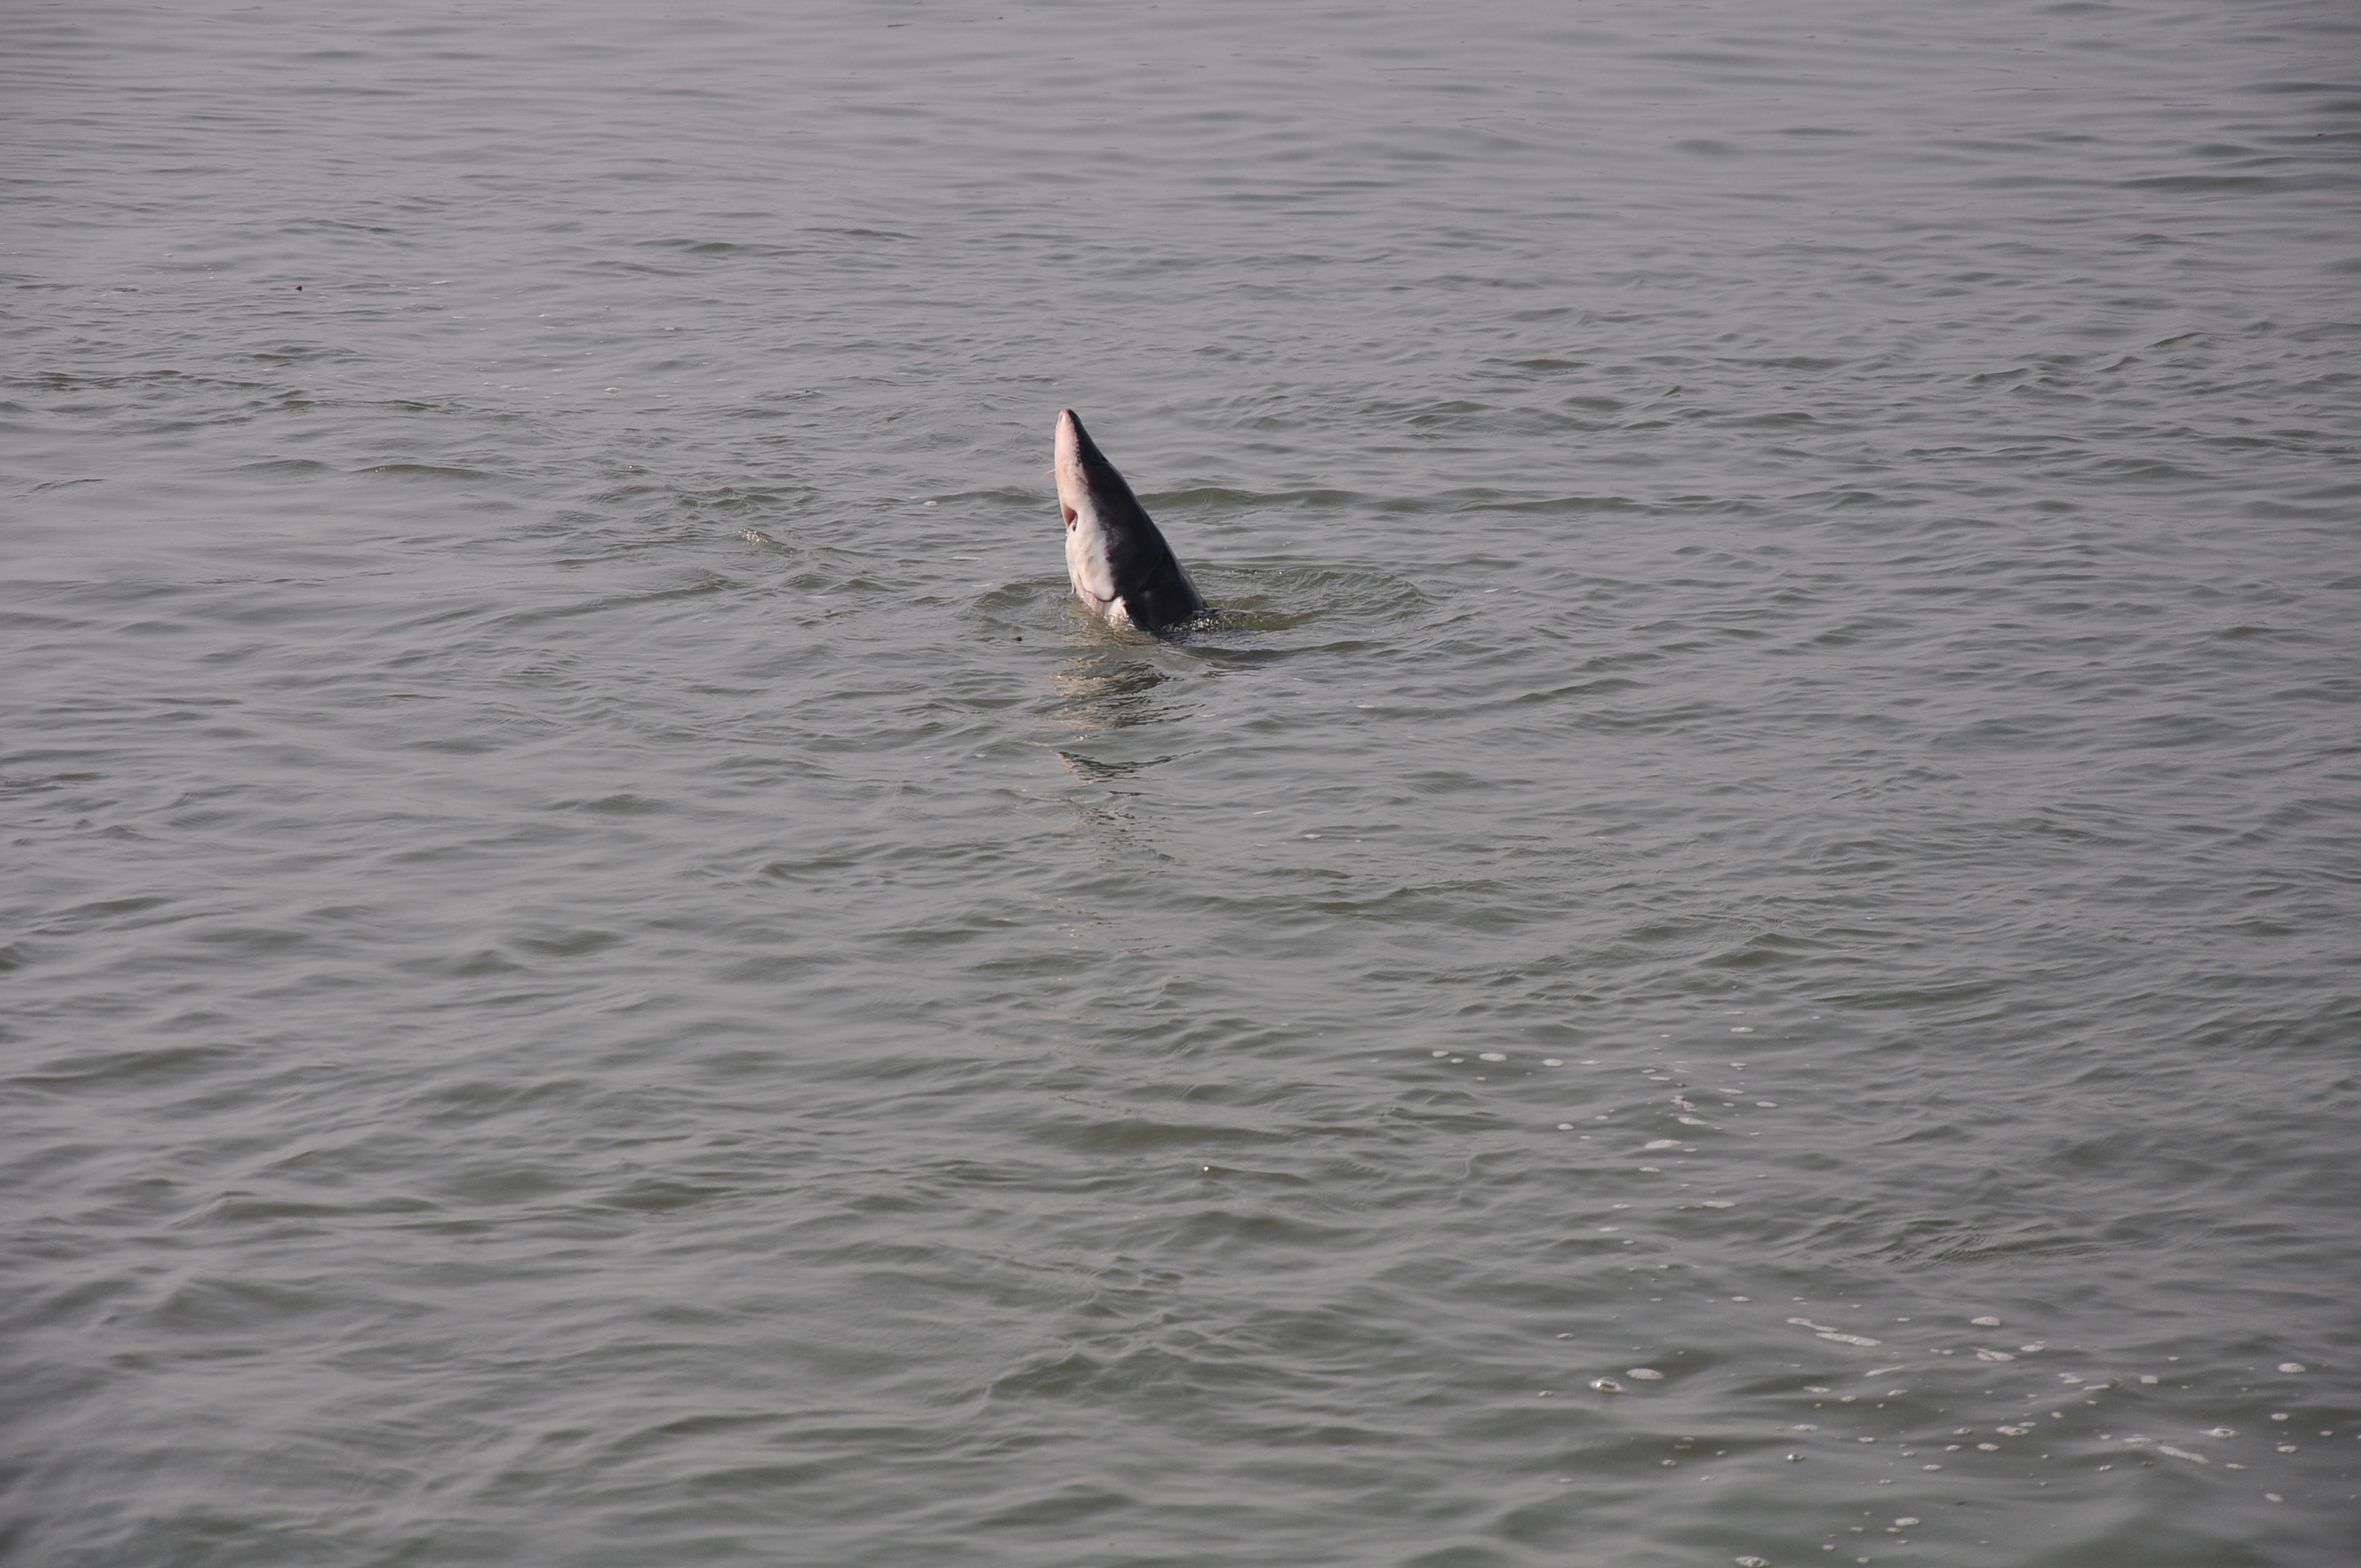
[(1117, 558)]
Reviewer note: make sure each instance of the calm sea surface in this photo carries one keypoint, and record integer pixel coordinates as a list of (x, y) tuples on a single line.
[(1742, 946)]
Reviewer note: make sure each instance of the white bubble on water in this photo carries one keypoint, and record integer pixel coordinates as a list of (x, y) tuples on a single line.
[(2273, 1497), (1607, 1385), (1768, 1104), (2030, 1349), (2147, 1378), (2279, 1417), (1566, 1126), (1491, 1056), (1645, 1373), (2290, 1367), (1983, 1355), (1989, 1447), (1905, 1522), (1985, 1322), (1609, 1230), (1438, 1053), (1692, 1122), (1751, 1561), (1552, 1062), (1662, 1143), (1741, 1028), (2182, 1454), (2221, 1431), (1721, 1203)]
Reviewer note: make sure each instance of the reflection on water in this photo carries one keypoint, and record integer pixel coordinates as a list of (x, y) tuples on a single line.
[(1111, 680), (1089, 769)]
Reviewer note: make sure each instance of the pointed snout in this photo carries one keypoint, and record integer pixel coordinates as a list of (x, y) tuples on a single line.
[(1065, 463)]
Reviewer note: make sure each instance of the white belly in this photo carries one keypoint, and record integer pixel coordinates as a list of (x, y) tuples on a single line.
[(1088, 565)]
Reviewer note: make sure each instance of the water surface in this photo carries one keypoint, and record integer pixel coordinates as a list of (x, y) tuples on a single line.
[(600, 969)]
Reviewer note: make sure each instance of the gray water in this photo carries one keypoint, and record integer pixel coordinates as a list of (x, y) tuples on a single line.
[(601, 969)]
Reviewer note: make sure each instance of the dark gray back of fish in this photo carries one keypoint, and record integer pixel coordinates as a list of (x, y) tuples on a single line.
[(1148, 576)]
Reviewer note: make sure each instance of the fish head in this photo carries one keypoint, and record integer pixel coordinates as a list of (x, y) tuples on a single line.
[(1120, 562), (1087, 503), (1075, 456)]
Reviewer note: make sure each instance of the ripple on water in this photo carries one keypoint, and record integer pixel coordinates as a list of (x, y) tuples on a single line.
[(589, 929)]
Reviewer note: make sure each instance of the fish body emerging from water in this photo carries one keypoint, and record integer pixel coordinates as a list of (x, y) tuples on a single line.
[(1121, 567)]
